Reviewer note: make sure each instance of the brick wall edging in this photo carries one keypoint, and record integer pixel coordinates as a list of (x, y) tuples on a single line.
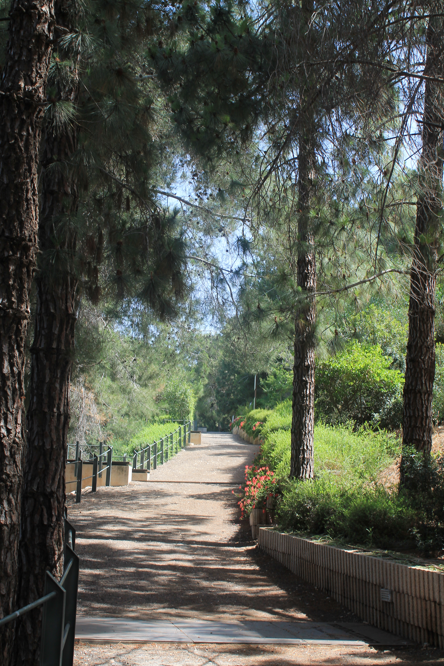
[(360, 582)]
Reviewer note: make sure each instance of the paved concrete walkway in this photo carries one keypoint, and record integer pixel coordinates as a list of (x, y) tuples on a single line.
[(168, 560)]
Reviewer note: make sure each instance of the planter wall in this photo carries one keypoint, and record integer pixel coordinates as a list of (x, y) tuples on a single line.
[(195, 437), (241, 433), (402, 599), (121, 475), (87, 470)]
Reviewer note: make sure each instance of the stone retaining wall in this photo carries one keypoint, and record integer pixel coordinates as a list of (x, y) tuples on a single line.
[(245, 436), (402, 599)]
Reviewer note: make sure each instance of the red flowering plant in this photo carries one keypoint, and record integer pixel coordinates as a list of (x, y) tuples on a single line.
[(257, 424), (260, 484), (236, 422)]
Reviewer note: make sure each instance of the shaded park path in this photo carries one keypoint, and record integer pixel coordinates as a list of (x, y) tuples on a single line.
[(173, 549)]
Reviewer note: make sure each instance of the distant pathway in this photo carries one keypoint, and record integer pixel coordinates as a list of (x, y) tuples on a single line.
[(173, 552)]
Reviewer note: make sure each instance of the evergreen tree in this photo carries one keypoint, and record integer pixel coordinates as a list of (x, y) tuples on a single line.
[(96, 159), (22, 98), (420, 358), (303, 72)]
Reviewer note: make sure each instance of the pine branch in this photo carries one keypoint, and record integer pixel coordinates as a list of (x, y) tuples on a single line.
[(202, 208), (357, 284)]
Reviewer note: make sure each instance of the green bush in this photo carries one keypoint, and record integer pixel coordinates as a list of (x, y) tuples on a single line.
[(360, 514), (278, 419), (438, 386), (358, 384), (423, 487), (180, 400), (341, 450), (254, 420), (149, 434), (380, 324), (278, 386)]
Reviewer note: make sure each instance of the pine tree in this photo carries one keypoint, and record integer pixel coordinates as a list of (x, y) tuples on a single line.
[(305, 75), (420, 358), (96, 158), (22, 98)]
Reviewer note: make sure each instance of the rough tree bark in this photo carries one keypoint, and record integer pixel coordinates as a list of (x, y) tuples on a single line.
[(420, 358), (22, 98), (302, 428), (43, 504)]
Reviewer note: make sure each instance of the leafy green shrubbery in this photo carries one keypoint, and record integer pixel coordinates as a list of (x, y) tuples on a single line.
[(362, 514), (278, 385), (252, 423), (438, 386), (180, 399), (150, 434), (359, 385), (423, 487), (341, 450), (346, 500)]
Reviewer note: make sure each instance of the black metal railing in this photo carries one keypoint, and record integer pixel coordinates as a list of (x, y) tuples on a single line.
[(162, 450), (146, 459), (97, 471), (59, 609)]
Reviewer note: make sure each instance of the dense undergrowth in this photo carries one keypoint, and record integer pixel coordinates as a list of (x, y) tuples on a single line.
[(347, 499)]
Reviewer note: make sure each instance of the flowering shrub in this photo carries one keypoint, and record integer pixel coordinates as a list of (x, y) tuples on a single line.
[(258, 423), (235, 423), (260, 484)]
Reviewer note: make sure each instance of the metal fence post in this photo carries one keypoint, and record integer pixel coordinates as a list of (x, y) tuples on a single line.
[(53, 625), (70, 581), (189, 432), (155, 455), (79, 481), (180, 437), (149, 458), (135, 461), (142, 459), (124, 457), (70, 538), (100, 459), (94, 475), (161, 452), (109, 463), (77, 457)]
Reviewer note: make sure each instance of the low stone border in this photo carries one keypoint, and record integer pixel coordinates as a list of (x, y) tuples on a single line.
[(241, 433), (402, 599)]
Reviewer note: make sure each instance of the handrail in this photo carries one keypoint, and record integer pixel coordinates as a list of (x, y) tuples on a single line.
[(183, 433), (59, 609), (26, 609), (158, 452), (97, 472)]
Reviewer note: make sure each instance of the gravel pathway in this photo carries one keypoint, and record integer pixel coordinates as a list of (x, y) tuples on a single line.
[(174, 548)]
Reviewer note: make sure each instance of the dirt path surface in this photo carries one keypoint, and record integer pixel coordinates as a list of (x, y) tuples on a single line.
[(174, 548)]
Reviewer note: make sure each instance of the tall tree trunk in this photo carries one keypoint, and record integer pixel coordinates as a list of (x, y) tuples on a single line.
[(43, 505), (22, 98), (302, 427), (420, 359)]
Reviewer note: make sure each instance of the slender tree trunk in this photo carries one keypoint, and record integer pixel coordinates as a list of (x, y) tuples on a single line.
[(43, 505), (420, 359), (22, 98), (302, 428)]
